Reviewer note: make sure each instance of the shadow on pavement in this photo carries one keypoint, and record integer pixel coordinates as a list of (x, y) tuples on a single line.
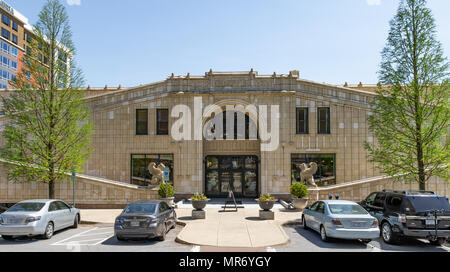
[(186, 218), (314, 238), (23, 240), (254, 218), (408, 244), (170, 237)]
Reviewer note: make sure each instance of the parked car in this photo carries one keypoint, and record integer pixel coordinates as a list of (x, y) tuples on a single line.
[(37, 217), (417, 214), (145, 219), (340, 219)]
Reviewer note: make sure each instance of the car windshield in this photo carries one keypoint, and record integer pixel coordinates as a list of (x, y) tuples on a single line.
[(27, 207), (140, 208), (346, 209), (425, 204)]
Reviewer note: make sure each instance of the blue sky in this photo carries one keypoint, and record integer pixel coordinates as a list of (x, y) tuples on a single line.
[(141, 41)]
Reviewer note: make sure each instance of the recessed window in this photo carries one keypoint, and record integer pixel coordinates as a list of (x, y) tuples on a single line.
[(140, 164), (15, 26), (162, 122), (14, 39), (323, 120), (325, 163), (6, 34), (302, 121), (142, 122), (6, 20)]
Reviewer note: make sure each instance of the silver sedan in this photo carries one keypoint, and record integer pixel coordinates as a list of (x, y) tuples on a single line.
[(340, 219), (37, 217)]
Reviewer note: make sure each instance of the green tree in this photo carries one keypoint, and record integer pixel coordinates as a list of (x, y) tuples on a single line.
[(411, 110), (48, 132)]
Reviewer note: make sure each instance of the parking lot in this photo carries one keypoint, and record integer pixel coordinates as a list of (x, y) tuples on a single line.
[(100, 238), (302, 240), (97, 238)]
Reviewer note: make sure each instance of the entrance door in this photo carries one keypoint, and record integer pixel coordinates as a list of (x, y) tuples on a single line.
[(236, 173)]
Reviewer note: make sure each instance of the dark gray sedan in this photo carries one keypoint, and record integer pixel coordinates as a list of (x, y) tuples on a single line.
[(145, 219)]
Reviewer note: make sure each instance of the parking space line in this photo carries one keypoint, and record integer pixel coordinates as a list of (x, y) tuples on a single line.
[(83, 241), (73, 236), (101, 233), (104, 240)]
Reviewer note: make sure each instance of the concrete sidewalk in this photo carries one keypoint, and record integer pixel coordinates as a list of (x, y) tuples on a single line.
[(219, 229), (235, 229)]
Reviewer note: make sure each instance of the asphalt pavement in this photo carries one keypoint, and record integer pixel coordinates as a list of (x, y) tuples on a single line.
[(100, 238), (302, 240)]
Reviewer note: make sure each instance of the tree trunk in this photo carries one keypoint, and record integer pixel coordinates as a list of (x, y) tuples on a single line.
[(51, 189)]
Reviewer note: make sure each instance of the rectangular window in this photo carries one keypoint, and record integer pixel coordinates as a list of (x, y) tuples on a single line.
[(140, 164), (162, 122), (142, 122), (5, 19), (15, 26), (14, 51), (6, 34), (14, 39), (302, 121), (325, 163), (323, 120)]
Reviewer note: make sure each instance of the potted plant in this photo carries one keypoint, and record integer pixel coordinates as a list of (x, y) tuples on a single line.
[(266, 202), (199, 201), (166, 194), (299, 194)]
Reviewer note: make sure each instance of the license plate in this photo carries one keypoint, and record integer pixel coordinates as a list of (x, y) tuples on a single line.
[(135, 223), (430, 222), (358, 224)]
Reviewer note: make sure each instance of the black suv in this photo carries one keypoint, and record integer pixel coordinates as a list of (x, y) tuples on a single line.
[(418, 214)]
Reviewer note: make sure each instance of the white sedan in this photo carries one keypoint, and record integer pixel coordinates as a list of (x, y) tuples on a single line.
[(37, 217), (340, 219)]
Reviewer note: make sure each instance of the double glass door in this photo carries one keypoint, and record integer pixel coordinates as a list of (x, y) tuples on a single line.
[(232, 173)]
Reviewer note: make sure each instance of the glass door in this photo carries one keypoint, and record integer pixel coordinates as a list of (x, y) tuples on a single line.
[(236, 173)]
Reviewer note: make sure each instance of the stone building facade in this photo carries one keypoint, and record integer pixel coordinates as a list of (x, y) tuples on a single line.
[(339, 145), (315, 122)]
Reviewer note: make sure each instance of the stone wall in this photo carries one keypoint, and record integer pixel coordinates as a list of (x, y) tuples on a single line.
[(359, 190), (90, 192)]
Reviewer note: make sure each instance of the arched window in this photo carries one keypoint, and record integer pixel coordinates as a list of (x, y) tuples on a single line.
[(239, 132)]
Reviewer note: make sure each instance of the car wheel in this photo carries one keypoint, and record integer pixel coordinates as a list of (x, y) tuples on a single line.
[(437, 242), (76, 221), (304, 223), (8, 237), (163, 234), (120, 238), (49, 230), (387, 234), (323, 234)]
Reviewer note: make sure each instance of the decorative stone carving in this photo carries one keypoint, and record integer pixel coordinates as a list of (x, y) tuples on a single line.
[(307, 173), (157, 173)]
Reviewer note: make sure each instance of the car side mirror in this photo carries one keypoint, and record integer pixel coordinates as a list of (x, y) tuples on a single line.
[(363, 202), (307, 208)]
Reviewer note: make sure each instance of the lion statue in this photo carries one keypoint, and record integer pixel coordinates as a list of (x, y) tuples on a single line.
[(308, 173), (157, 173)]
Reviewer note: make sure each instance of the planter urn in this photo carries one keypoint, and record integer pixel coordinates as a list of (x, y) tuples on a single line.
[(299, 203), (199, 205), (266, 205)]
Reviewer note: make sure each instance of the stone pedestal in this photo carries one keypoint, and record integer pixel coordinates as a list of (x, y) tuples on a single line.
[(266, 215), (198, 214)]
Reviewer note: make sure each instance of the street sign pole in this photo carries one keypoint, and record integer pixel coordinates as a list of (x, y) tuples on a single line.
[(73, 184)]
